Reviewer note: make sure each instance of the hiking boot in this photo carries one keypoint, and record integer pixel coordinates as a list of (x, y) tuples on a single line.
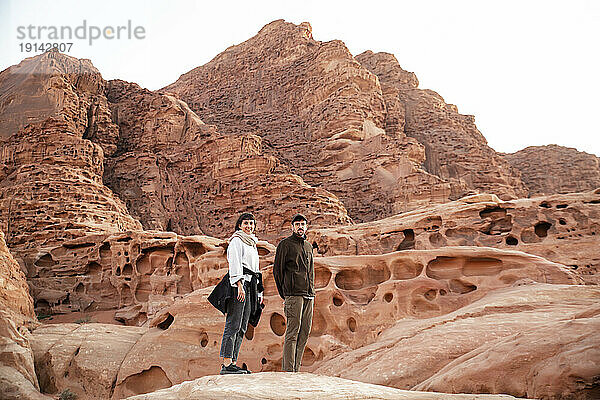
[(231, 369)]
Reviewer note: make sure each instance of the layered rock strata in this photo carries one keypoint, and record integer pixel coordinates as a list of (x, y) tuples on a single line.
[(274, 386), (454, 147), (321, 113), (177, 174), (51, 186), (561, 228), (556, 169), (18, 380), (531, 340), (358, 297)]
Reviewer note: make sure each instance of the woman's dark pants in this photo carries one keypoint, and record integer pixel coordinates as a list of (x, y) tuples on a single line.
[(236, 324)]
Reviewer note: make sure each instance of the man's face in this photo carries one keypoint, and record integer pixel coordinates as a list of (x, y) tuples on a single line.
[(299, 227)]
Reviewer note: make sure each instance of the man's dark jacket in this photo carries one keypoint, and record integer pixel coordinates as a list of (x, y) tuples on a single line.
[(293, 268), (224, 292)]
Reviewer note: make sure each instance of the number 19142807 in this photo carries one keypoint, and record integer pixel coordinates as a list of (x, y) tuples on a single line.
[(42, 47)]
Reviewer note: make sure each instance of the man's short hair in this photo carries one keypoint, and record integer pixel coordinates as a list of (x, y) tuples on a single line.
[(299, 217)]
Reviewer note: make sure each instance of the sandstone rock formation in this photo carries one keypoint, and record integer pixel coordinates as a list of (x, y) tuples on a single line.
[(561, 228), (278, 386), (175, 173), (134, 273), (556, 169), (107, 191), (357, 298), (454, 147), (321, 113), (521, 341), (17, 374), (51, 182)]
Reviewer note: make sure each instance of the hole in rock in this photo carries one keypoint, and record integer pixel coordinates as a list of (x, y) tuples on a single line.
[(263, 361), (337, 300), (309, 357), (388, 297), (405, 269), (79, 288), (430, 294), (559, 206), (118, 271), (362, 298), (444, 267), (277, 324), (458, 286), (250, 332), (494, 213), (164, 325), (437, 240), (562, 221), (545, 204), (204, 339), (322, 277), (142, 291), (409, 240), (351, 324), (147, 381), (127, 269), (105, 250), (94, 269), (478, 266), (197, 249), (75, 246), (512, 241), (442, 292), (541, 228), (353, 279), (45, 261)]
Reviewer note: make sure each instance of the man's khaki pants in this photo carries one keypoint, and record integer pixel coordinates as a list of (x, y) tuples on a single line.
[(298, 314)]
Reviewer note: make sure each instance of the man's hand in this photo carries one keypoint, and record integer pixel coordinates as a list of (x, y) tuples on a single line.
[(241, 294)]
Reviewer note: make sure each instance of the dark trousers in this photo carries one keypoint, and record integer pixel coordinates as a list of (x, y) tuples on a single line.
[(298, 314), (236, 324)]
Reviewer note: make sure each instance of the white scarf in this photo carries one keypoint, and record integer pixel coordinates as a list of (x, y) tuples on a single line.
[(250, 240)]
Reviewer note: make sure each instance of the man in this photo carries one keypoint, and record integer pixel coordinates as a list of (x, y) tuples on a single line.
[(294, 275)]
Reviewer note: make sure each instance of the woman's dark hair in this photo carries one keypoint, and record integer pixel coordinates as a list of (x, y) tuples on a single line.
[(244, 217)]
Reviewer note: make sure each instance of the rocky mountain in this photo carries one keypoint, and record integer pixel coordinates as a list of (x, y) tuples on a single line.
[(117, 203), (321, 113), (556, 169)]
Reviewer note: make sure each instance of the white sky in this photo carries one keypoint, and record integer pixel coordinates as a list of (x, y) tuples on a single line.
[(528, 70)]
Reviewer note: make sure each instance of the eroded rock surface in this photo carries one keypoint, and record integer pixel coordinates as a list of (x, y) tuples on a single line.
[(17, 373), (177, 174), (321, 113), (358, 297), (521, 341), (561, 228), (51, 186), (454, 147), (556, 169), (278, 385)]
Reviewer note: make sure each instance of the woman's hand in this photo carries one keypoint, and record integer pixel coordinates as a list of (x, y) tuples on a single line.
[(241, 294)]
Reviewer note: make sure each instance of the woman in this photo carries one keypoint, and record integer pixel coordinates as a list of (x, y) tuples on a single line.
[(241, 254)]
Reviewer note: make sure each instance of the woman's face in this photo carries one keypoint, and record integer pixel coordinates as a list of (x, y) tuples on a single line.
[(248, 226)]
